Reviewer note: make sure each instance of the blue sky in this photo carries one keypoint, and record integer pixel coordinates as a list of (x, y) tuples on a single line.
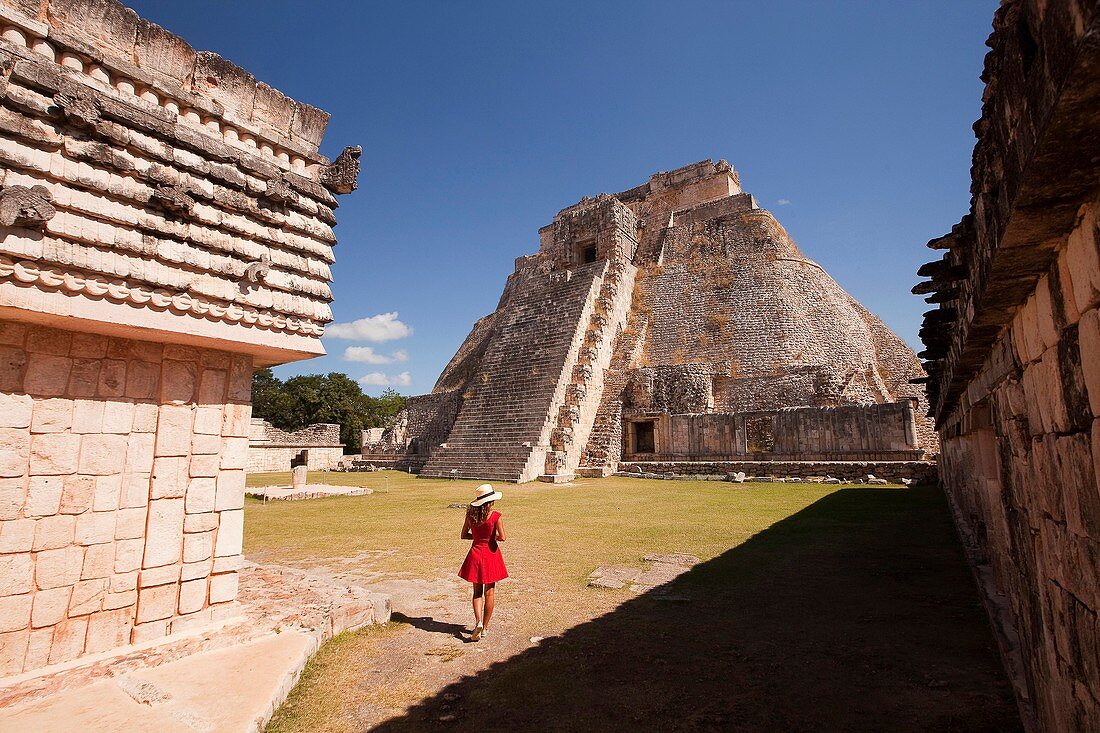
[(851, 121)]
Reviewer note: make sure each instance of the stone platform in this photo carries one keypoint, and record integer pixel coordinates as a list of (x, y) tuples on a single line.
[(308, 491), (253, 659)]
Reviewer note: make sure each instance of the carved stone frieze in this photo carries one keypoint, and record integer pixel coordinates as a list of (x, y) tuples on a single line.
[(173, 199), (258, 270), (30, 207), (342, 175), (77, 107), (279, 191)]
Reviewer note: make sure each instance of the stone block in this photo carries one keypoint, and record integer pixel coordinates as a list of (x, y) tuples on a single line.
[(193, 570), (240, 379), (206, 445), (212, 387), (139, 452), (13, 496), (88, 416), (208, 420), (192, 621), (223, 587), (157, 602), (13, 652), (121, 582), (192, 596), (93, 528), (52, 454), (84, 378), (200, 522), (14, 451), (149, 631), (68, 640), (13, 334), (44, 496), (174, 430), (130, 523), (42, 340), (169, 479), (198, 546), (142, 380), (47, 375), (17, 535), (52, 415), (38, 651), (145, 417), (164, 534), (50, 606), (234, 453), (99, 561), (231, 485), (88, 597), (1089, 343), (88, 345), (54, 531), (128, 554), (77, 494), (15, 612), (13, 362), (236, 420), (1083, 260), (135, 490), (108, 492), (159, 576), (15, 410), (201, 494), (230, 533), (17, 574), (228, 564), (204, 465), (108, 630), (112, 378), (57, 568), (102, 454), (120, 599), (118, 416), (179, 381)]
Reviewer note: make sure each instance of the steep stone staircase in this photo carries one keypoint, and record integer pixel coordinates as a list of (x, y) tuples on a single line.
[(576, 415), (503, 429)]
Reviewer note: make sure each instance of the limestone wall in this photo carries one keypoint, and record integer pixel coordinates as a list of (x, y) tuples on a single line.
[(852, 432), (918, 472), (165, 228), (272, 449), (1013, 356), (122, 471)]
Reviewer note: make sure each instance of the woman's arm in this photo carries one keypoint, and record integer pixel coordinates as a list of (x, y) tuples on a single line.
[(500, 530), (466, 533)]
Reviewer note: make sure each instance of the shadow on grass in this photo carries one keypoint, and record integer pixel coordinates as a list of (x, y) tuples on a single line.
[(429, 624), (855, 614)]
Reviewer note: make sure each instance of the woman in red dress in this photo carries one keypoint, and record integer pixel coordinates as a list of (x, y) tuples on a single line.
[(484, 565)]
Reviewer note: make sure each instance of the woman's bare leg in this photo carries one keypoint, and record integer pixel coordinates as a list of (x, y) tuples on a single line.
[(490, 600), (478, 591)]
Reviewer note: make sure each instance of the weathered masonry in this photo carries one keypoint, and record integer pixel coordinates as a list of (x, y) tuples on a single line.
[(676, 321), (165, 228), (1013, 350), (317, 447)]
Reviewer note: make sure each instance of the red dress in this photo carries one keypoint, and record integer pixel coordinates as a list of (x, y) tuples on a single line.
[(484, 563)]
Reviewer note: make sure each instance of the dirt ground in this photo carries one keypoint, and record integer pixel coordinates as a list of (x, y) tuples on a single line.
[(815, 609)]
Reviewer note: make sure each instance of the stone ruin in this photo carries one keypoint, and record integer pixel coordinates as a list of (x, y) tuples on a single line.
[(676, 321), (165, 228), (1013, 356), (316, 446)]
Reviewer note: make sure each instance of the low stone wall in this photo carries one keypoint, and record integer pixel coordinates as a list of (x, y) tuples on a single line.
[(271, 449), (920, 472)]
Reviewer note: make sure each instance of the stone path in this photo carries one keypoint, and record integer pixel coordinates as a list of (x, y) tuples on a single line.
[(662, 569)]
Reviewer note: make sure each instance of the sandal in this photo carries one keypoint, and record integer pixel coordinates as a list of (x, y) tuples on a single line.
[(477, 632)]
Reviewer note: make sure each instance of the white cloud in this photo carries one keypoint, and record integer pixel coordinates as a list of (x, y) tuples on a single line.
[(379, 328), (783, 202), (367, 355), (378, 379)]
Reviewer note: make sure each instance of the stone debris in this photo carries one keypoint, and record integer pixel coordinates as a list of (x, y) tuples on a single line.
[(662, 569), (145, 693), (871, 479), (307, 491)]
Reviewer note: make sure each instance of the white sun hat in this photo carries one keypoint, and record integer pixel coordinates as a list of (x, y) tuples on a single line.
[(485, 494)]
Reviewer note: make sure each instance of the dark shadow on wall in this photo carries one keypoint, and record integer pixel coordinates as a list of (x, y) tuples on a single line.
[(856, 614)]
